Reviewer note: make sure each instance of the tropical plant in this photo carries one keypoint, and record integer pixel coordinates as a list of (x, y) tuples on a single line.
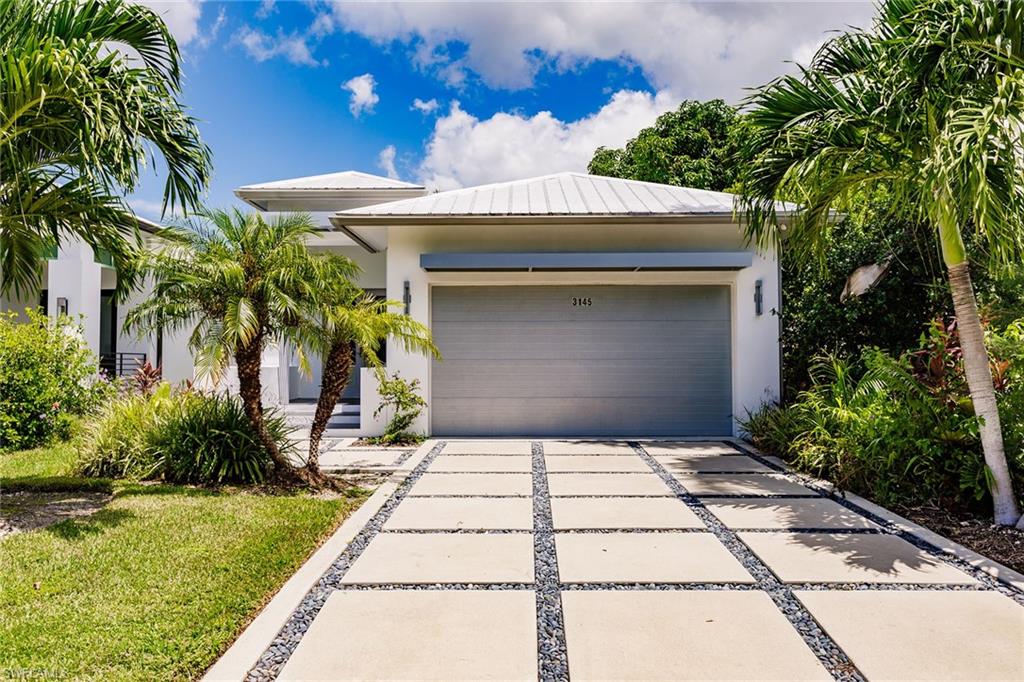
[(401, 398), (48, 376), (181, 436), (208, 438), (350, 321), (88, 94), (237, 283), (928, 105), (116, 443), (697, 145)]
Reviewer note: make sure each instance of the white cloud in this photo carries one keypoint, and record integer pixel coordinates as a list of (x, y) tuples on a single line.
[(266, 8), (208, 36), (465, 150), (698, 50), (263, 46), (181, 17), (363, 97), (322, 25), (427, 107), (386, 160)]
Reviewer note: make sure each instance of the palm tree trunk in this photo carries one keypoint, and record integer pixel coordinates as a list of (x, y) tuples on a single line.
[(249, 361), (337, 370), (983, 395)]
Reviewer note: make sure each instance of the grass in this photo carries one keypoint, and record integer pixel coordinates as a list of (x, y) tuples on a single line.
[(49, 469), (153, 587)]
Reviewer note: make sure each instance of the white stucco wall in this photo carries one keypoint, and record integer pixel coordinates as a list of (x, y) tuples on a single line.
[(755, 339)]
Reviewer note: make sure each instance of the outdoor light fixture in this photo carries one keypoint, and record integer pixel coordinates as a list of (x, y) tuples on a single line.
[(759, 297), (406, 296), (62, 306)]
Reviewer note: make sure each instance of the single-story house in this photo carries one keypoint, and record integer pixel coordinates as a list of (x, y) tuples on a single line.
[(563, 305)]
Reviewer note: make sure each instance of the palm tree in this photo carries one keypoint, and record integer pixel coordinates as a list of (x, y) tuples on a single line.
[(238, 283), (351, 320), (88, 94), (928, 107)]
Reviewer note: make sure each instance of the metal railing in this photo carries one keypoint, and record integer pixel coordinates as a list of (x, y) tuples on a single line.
[(121, 364)]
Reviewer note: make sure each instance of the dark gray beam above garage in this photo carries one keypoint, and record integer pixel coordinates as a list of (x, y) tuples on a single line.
[(622, 261)]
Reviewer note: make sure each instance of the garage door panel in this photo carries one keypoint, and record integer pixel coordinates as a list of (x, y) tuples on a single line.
[(473, 304), (631, 360), (529, 378), (643, 416)]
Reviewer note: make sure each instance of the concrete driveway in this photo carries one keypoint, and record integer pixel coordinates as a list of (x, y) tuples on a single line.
[(593, 560)]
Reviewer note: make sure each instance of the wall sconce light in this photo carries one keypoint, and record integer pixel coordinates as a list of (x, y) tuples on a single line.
[(62, 306), (406, 296), (759, 297)]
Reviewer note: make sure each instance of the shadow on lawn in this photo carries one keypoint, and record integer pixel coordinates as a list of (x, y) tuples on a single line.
[(100, 522)]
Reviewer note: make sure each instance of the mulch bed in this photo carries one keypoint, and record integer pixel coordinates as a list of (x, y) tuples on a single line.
[(1005, 545)]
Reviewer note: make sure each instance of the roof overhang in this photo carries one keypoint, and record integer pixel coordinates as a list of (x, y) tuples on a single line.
[(586, 261), (386, 220), (322, 199)]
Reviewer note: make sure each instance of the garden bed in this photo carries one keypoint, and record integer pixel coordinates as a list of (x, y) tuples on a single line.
[(1004, 545), (157, 583)]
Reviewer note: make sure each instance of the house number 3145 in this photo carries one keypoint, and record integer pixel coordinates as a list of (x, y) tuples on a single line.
[(582, 301)]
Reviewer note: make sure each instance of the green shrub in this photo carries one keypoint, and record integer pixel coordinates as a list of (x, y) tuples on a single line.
[(48, 375), (117, 443), (899, 430), (209, 439), (181, 437), (402, 399)]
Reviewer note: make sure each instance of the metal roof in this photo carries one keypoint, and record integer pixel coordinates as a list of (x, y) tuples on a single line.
[(560, 195), (344, 180)]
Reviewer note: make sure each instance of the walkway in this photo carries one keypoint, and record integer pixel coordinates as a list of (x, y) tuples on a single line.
[(519, 560)]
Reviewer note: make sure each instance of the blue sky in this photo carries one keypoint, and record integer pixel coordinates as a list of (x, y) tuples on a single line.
[(506, 90)]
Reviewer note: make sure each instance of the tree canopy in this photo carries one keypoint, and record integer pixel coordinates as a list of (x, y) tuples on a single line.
[(694, 146)]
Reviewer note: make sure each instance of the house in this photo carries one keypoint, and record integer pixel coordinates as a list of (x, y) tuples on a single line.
[(563, 305), (78, 281)]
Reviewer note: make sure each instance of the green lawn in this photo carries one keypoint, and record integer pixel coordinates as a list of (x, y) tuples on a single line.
[(154, 586)]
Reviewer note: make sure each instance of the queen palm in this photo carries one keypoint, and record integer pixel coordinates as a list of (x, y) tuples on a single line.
[(350, 320), (238, 283), (928, 107), (88, 95)]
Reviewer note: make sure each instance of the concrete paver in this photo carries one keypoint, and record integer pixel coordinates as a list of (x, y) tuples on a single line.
[(846, 558), (741, 484), (758, 512), (629, 463), (646, 558), (689, 463), (444, 558), (454, 513), (587, 447), (684, 635), (570, 513), (488, 447), (473, 484), (924, 635), (419, 635), (497, 463), (607, 484), (358, 458), (687, 448)]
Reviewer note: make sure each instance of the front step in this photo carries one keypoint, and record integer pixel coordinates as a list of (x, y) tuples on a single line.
[(345, 416)]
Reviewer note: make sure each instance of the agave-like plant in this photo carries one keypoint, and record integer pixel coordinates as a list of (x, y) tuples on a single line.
[(88, 95)]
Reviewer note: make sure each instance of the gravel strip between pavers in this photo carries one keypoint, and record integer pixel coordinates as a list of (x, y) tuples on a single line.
[(281, 649), (820, 643), (552, 656), (890, 528)]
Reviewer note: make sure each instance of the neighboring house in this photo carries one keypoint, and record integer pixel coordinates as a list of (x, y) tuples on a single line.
[(568, 305), (80, 282)]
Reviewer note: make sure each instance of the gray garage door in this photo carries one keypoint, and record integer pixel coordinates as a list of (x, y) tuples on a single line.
[(581, 360)]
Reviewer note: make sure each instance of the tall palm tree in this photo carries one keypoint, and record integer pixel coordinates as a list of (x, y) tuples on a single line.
[(238, 283), (929, 107), (88, 95), (350, 320)]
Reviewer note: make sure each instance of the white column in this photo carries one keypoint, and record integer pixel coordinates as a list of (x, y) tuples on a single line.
[(75, 275)]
